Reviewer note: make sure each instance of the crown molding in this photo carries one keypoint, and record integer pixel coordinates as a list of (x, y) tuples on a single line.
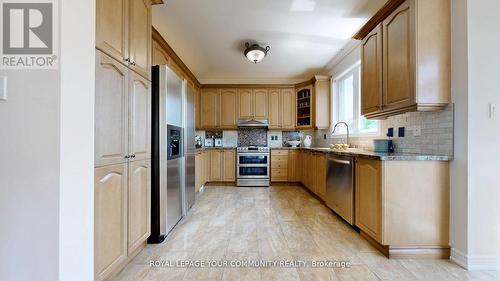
[(346, 50), (253, 81)]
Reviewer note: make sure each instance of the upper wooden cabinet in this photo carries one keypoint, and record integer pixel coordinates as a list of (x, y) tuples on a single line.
[(371, 71), (287, 108), (313, 103), (123, 31), (245, 100), (228, 108), (281, 108), (140, 36), (410, 50), (260, 101), (210, 108)]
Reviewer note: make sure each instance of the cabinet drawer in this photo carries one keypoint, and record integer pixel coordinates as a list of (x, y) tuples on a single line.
[(279, 158), (279, 152), (279, 164), (279, 175)]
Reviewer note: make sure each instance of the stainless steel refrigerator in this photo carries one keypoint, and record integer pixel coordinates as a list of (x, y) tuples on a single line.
[(172, 171)]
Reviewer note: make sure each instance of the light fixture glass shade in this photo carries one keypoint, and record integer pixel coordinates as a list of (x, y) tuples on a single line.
[(255, 53)]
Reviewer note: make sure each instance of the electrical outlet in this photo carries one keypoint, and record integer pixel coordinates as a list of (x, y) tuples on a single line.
[(3, 88), (493, 114), (401, 132), (417, 131)]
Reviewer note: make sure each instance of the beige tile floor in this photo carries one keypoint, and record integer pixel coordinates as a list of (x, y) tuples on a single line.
[(276, 223)]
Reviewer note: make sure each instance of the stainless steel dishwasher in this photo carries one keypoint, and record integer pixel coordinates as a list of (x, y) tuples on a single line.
[(340, 186)]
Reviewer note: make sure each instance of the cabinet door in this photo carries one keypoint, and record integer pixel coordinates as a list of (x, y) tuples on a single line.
[(287, 108), (371, 72), (228, 108), (216, 162), (140, 37), (111, 28), (260, 103), (139, 117), (320, 167), (210, 108), (368, 195), (275, 106), (110, 207), (198, 165), (229, 165), (293, 163), (245, 109), (197, 106), (399, 57), (111, 111), (139, 203), (207, 166)]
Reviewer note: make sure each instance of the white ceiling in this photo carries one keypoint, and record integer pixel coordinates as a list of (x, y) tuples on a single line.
[(304, 35)]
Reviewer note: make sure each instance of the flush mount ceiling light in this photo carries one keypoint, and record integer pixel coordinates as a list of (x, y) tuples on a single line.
[(255, 53)]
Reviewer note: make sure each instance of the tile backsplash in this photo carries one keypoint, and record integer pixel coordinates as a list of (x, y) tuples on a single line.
[(252, 136), (436, 133)]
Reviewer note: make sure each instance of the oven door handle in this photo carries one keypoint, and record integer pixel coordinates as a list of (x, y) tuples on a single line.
[(252, 165)]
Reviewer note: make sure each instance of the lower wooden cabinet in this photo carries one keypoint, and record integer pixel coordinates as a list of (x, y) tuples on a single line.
[(369, 197), (320, 176), (110, 215), (122, 208), (229, 165), (402, 207), (279, 165), (293, 166), (139, 203), (215, 165)]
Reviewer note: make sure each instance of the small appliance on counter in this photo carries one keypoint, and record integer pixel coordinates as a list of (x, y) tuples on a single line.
[(307, 141), (383, 146), (209, 142), (218, 142)]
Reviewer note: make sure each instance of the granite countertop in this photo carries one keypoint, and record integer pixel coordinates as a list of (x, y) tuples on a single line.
[(212, 147), (361, 153)]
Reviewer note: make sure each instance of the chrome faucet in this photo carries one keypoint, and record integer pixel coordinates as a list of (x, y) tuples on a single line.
[(346, 125)]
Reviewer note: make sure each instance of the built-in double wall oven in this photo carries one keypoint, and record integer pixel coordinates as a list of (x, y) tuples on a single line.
[(252, 167)]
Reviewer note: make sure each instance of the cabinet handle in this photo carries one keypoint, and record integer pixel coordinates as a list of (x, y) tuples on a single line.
[(127, 60), (132, 63), (132, 156), (127, 156)]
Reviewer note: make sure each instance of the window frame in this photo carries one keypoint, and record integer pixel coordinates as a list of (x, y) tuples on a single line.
[(355, 131)]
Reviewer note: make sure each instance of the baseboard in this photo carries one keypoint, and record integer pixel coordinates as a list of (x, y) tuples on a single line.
[(475, 262)]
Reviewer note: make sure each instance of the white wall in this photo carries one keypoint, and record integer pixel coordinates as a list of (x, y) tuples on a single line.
[(484, 133), (475, 184), (46, 143), (76, 216)]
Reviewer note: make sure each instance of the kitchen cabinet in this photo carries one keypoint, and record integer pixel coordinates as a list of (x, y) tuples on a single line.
[(275, 109), (216, 165), (287, 109), (110, 213), (408, 56), (139, 117), (294, 166), (122, 184), (260, 101), (199, 168), (197, 108), (210, 108), (313, 103), (390, 211), (139, 203), (229, 165), (246, 104), (371, 72), (320, 175), (122, 113), (123, 31), (279, 165), (140, 37), (281, 109), (111, 111), (253, 104), (369, 197), (229, 108)]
